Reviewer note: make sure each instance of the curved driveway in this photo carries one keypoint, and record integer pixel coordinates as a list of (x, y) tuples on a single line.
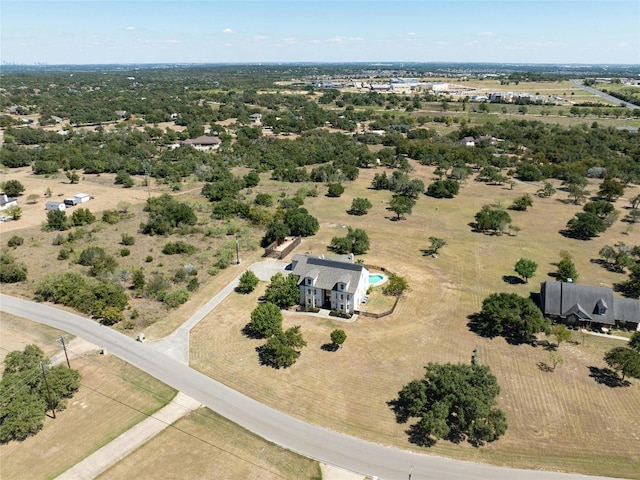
[(311, 441)]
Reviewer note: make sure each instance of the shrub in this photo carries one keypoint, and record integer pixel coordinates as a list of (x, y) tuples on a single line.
[(264, 199), (148, 259), (127, 239), (193, 284), (125, 252), (64, 253), (335, 190), (15, 241), (10, 270), (443, 189), (175, 298), (248, 282), (179, 247)]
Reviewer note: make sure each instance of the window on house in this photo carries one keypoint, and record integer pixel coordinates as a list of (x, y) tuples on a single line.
[(309, 291), (341, 297)]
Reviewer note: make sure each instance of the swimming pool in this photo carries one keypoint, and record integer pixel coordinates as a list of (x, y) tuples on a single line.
[(376, 279)]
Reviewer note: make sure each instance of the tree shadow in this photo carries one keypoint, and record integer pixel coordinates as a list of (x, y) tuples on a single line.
[(610, 267), (249, 332), (400, 410), (572, 235), (546, 344), (475, 325), (512, 280), (544, 367), (606, 376), (330, 347)]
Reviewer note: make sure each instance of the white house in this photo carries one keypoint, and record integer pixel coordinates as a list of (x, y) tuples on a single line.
[(51, 205), (338, 283), (81, 197), (7, 202)]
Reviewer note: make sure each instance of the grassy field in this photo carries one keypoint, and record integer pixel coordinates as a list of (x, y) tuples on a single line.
[(205, 445), (112, 398), (547, 412)]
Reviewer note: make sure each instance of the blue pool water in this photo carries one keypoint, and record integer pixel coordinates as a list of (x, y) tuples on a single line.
[(375, 279)]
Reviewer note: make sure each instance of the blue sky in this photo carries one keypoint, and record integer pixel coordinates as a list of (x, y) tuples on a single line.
[(509, 31)]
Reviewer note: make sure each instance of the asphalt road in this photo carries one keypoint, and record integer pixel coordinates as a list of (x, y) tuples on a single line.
[(311, 441), (606, 96)]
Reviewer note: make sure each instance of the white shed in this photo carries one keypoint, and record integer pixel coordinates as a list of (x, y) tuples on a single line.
[(55, 206), (81, 197)]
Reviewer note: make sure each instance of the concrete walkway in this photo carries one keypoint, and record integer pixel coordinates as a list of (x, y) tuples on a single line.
[(596, 334), (132, 439)]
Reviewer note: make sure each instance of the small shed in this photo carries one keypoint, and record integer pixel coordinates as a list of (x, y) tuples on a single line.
[(81, 197), (7, 202), (55, 206)]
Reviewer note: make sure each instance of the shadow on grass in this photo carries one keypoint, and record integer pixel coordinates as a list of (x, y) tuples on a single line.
[(476, 325), (547, 345), (545, 367), (249, 332), (512, 280), (330, 347), (606, 376)]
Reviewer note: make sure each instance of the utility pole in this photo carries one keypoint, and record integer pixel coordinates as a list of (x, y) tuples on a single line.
[(61, 339), (237, 251), (44, 376)]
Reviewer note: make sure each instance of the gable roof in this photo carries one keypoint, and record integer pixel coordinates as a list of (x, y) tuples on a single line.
[(596, 304), (327, 272)]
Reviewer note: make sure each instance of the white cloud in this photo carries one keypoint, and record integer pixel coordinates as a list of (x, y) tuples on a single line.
[(130, 28), (260, 37), (174, 41), (227, 30), (622, 44), (228, 45), (411, 34), (486, 34)]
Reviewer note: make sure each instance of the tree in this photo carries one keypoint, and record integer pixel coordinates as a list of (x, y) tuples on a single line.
[(82, 216), (522, 203), (601, 208), (526, 268), (32, 198), (138, 280), (72, 176), (167, 214), (14, 212), (610, 189), (300, 222), (453, 402), (448, 188), (510, 315), (13, 188), (561, 332), (283, 349), (283, 290), (566, 270), (266, 320), (401, 205), (585, 225), (634, 342), (625, 361), (276, 232), (56, 220), (335, 190), (578, 193), (436, 245), (556, 359), (356, 242), (23, 396), (338, 337), (248, 282), (396, 286), (547, 190), (11, 271), (359, 206), (492, 218)]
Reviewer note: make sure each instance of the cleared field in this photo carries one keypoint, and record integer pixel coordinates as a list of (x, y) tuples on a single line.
[(112, 398), (205, 445), (348, 390)]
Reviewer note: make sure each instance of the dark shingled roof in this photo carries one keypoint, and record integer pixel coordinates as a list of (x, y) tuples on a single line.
[(327, 272), (595, 304)]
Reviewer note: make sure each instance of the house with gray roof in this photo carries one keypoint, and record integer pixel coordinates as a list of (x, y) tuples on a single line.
[(204, 143), (587, 305), (337, 283)]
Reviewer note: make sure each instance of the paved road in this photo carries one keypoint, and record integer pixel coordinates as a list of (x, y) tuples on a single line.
[(606, 96), (314, 442)]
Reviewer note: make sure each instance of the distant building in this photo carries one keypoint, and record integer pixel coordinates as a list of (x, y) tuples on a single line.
[(255, 117), (204, 143), (81, 197), (51, 205)]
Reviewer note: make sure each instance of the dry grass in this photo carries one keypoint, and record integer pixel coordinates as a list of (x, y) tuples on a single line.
[(113, 397), (203, 444), (348, 390)]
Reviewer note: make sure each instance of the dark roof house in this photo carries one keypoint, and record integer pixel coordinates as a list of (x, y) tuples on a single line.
[(580, 304)]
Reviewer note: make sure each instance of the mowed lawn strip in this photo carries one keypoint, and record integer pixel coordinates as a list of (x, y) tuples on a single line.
[(348, 390), (206, 445)]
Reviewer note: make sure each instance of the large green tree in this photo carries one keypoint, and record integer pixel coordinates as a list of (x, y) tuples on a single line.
[(247, 283), (526, 268), (492, 218), (624, 361), (585, 225), (401, 205), (266, 320), (453, 402), (24, 398), (283, 290), (359, 206), (510, 315), (13, 188), (282, 349), (356, 242), (610, 189)]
